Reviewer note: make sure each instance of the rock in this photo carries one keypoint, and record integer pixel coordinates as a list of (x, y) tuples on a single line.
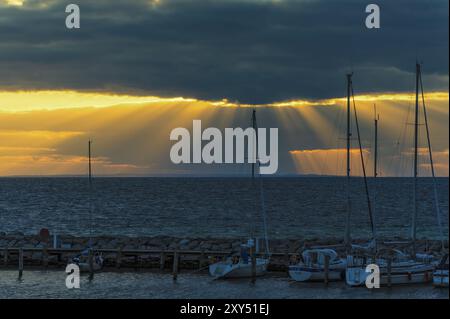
[(184, 242)]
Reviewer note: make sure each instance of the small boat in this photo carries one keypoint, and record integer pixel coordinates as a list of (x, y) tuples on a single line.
[(440, 275), (403, 270), (242, 266), (312, 267), (82, 260), (239, 266)]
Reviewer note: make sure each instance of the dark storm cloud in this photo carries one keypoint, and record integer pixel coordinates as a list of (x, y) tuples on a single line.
[(254, 51)]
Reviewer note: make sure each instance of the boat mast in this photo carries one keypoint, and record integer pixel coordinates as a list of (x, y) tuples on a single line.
[(255, 147), (90, 166), (433, 175), (377, 117), (261, 189), (416, 137), (347, 224), (375, 169), (90, 193)]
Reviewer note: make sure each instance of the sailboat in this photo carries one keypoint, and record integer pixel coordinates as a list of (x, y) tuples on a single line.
[(398, 267), (83, 260), (246, 264), (312, 266)]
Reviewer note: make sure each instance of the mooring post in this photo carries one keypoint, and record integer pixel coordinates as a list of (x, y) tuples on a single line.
[(162, 261), (201, 259), (20, 262), (5, 257), (136, 261), (176, 260), (91, 264), (389, 272), (119, 258), (45, 256), (253, 264), (327, 269)]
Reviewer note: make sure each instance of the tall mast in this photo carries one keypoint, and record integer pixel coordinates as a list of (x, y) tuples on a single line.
[(255, 147), (261, 188), (90, 167), (375, 171), (375, 168), (433, 174), (416, 140), (347, 224), (90, 193)]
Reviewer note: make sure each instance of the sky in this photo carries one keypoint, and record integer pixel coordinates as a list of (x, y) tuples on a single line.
[(137, 69)]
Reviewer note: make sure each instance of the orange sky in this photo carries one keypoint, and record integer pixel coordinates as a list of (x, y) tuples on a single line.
[(45, 132)]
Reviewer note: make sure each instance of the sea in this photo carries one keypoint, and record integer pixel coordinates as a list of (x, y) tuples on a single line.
[(212, 207)]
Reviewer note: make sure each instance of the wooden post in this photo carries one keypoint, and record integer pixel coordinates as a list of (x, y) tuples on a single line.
[(119, 258), (45, 257), (201, 260), (20, 263), (253, 256), (136, 261), (162, 261), (176, 260), (5, 257), (326, 269), (91, 264), (389, 272)]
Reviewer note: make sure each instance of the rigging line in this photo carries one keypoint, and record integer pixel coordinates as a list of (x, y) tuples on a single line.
[(363, 167), (436, 197), (400, 141)]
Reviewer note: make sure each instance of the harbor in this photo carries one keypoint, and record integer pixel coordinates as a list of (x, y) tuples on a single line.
[(135, 253)]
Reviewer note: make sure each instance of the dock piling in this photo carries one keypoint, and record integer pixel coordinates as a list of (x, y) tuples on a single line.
[(20, 263), (162, 261), (45, 257), (389, 272), (327, 269), (176, 259), (253, 266), (91, 264), (5, 257), (119, 258)]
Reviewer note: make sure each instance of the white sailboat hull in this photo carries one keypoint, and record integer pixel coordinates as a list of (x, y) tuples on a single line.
[(440, 278), (302, 273), (224, 270), (312, 266)]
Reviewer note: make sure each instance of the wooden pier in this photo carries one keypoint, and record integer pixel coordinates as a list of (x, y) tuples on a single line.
[(119, 258)]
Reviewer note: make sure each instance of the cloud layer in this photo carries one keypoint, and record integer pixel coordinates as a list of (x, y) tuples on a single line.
[(254, 51)]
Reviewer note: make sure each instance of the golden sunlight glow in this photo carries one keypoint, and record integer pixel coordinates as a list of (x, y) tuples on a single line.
[(46, 132), (16, 101), (328, 161), (13, 2), (13, 101)]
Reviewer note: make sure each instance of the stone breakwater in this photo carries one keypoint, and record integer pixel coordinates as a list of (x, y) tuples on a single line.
[(147, 252)]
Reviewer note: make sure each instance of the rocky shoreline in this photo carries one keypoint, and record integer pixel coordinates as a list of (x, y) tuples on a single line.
[(283, 249)]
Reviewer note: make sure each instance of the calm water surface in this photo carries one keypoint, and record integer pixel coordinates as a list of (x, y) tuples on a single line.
[(51, 284)]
